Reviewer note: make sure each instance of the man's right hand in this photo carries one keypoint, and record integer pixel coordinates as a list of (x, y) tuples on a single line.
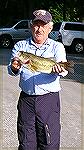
[(15, 64)]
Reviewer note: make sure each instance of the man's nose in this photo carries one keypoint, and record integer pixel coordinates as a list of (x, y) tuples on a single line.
[(39, 27)]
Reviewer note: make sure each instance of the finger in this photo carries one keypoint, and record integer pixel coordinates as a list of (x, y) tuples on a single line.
[(16, 59), (16, 65), (63, 69), (15, 62), (59, 68), (55, 69)]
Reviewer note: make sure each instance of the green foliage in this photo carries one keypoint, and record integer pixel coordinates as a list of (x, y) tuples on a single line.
[(61, 10), (57, 12), (67, 10)]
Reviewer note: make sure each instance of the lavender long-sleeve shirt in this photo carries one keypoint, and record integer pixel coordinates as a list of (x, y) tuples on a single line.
[(39, 83)]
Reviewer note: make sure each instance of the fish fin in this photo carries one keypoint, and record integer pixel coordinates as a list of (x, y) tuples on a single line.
[(69, 66), (33, 68)]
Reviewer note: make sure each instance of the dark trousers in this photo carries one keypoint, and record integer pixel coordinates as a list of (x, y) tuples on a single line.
[(38, 124)]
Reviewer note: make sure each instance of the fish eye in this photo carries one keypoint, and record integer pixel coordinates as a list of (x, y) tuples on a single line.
[(22, 52)]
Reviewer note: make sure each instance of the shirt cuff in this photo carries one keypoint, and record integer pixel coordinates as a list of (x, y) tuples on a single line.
[(13, 73), (64, 73)]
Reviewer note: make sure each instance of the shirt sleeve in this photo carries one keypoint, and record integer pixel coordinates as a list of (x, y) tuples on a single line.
[(60, 53), (14, 54), (60, 56)]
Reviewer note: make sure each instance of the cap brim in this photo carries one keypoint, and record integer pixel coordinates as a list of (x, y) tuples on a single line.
[(40, 19)]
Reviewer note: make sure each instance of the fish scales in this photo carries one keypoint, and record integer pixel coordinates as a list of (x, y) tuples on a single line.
[(38, 63)]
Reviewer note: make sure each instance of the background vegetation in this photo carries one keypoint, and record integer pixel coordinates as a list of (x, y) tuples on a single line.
[(67, 10)]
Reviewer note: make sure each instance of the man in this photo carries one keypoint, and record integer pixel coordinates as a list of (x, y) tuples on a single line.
[(38, 122)]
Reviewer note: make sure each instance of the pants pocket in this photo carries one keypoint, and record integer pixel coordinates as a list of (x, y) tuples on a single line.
[(47, 134), (52, 129)]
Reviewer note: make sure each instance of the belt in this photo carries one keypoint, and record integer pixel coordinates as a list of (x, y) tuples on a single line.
[(28, 95)]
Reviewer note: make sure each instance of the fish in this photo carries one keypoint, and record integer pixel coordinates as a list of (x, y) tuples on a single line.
[(40, 64)]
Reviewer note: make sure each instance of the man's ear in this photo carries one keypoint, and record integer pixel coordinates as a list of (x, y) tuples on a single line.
[(50, 26), (31, 25)]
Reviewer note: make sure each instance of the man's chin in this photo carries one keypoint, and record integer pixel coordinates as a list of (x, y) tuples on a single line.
[(39, 37)]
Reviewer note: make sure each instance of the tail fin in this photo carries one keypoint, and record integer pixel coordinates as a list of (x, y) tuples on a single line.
[(69, 66)]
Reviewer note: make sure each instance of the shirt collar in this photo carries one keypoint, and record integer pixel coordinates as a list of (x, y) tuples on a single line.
[(31, 42)]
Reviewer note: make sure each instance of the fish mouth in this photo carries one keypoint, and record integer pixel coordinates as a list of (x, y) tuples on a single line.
[(19, 53)]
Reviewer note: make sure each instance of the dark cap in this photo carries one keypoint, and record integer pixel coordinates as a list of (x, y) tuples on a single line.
[(42, 15)]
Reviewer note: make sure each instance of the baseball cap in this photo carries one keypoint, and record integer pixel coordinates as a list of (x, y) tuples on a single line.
[(42, 15)]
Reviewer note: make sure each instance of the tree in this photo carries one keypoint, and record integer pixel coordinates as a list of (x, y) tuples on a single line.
[(67, 10)]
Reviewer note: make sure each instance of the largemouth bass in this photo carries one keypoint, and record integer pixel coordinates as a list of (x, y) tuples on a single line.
[(38, 63)]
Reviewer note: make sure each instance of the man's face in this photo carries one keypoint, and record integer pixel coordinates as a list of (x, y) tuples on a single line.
[(40, 31)]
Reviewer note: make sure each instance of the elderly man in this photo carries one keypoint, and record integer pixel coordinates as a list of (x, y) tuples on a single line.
[(38, 122)]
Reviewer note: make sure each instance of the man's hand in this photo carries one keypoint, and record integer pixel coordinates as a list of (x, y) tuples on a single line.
[(58, 69), (15, 65)]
